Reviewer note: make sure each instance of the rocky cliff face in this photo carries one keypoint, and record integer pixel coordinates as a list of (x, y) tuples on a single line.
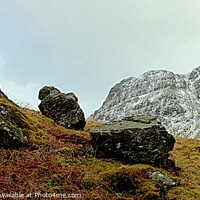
[(174, 99)]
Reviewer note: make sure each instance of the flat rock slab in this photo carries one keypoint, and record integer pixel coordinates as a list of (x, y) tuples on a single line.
[(121, 125), (136, 139)]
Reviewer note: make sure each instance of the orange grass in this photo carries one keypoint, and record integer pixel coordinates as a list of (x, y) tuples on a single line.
[(186, 153), (61, 161)]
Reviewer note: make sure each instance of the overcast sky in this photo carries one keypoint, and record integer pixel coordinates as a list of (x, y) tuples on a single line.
[(87, 46)]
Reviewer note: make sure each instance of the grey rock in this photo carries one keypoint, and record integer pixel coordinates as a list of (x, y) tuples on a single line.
[(174, 99), (12, 127), (163, 181), (62, 108), (48, 90), (136, 139)]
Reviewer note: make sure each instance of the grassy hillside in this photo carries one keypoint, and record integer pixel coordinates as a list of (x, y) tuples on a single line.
[(59, 161), (186, 153)]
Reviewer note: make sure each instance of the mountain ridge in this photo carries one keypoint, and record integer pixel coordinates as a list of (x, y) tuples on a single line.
[(174, 99)]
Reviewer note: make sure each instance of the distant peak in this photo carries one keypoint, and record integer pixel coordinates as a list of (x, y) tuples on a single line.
[(174, 99)]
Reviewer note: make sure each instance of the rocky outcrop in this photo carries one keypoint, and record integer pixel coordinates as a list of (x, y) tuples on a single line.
[(174, 99), (136, 139), (13, 124), (62, 108)]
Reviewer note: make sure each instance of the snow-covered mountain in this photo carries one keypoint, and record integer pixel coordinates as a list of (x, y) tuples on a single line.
[(174, 99)]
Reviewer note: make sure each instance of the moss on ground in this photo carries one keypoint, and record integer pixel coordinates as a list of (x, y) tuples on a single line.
[(60, 160), (186, 153)]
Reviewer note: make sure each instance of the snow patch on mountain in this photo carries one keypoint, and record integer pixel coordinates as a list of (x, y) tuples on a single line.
[(174, 99)]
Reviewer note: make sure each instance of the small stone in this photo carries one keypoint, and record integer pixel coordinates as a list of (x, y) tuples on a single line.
[(162, 179)]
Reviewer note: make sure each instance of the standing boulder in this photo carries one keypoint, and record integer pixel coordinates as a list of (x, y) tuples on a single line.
[(62, 108), (136, 139)]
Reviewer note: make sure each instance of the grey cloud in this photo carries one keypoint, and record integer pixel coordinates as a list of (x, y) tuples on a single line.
[(87, 46)]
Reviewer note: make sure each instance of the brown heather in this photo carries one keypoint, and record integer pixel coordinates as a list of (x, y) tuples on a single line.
[(61, 161)]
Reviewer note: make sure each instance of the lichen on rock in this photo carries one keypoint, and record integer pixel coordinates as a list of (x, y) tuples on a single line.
[(62, 108), (12, 126), (137, 139), (18, 128)]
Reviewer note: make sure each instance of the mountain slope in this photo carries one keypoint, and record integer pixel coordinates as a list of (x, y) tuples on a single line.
[(53, 162), (59, 163), (172, 98)]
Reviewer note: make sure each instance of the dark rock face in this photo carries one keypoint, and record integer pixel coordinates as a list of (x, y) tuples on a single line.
[(12, 126), (46, 90), (62, 108), (136, 139)]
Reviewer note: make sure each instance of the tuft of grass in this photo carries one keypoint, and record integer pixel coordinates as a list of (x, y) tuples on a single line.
[(186, 153), (90, 124), (105, 179)]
